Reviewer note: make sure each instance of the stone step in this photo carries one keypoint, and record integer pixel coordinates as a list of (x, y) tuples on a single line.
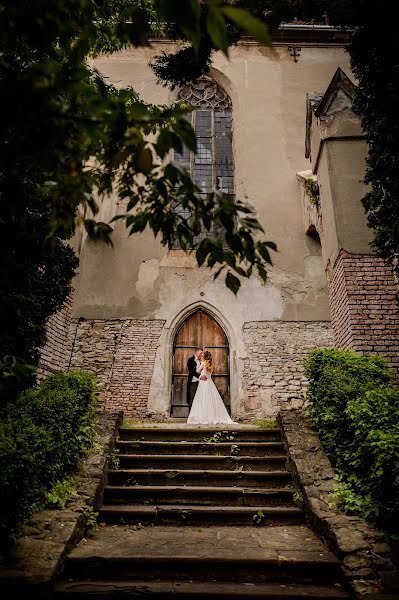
[(209, 462), (198, 477), (80, 590), (199, 435), (201, 448), (187, 515), (204, 495), (159, 553)]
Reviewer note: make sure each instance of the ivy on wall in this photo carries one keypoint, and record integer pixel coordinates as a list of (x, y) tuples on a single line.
[(312, 190)]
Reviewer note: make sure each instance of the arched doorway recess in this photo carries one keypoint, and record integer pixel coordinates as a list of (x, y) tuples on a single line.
[(199, 329)]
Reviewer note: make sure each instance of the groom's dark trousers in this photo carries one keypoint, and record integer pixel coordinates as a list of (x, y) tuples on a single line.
[(191, 385)]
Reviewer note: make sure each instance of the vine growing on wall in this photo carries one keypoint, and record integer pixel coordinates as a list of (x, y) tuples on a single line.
[(312, 190)]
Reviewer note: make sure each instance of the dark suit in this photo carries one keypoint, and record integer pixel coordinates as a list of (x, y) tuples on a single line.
[(191, 385)]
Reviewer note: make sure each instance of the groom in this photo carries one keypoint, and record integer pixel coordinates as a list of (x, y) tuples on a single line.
[(193, 378)]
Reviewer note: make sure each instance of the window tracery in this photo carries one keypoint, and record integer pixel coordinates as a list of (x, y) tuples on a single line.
[(212, 168)]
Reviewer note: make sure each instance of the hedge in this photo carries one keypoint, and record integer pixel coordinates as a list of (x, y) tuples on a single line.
[(42, 437), (355, 409)]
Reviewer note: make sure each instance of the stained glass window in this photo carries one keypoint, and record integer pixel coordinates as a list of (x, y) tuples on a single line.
[(212, 167)]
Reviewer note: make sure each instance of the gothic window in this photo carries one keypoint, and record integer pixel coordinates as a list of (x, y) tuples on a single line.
[(212, 167)]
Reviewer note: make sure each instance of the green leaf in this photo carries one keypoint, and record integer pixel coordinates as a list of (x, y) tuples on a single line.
[(98, 230), (186, 14), (251, 24), (168, 140), (92, 204), (202, 252), (216, 27), (216, 275), (264, 252), (251, 223), (262, 273), (138, 222), (187, 134), (144, 161), (232, 282), (271, 245), (134, 27), (240, 271)]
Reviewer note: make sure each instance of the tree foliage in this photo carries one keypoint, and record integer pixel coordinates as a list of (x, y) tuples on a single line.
[(374, 60), (374, 52), (68, 138), (179, 67), (42, 437)]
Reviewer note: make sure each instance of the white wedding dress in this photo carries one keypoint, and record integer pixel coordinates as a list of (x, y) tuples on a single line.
[(208, 406)]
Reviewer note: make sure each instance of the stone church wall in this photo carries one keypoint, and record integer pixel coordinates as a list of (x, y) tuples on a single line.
[(121, 352), (131, 298), (54, 355), (273, 374)]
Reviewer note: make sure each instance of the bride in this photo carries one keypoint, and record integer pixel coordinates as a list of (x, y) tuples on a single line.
[(208, 406)]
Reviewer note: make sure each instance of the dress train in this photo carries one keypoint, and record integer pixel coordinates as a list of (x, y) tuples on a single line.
[(208, 406)]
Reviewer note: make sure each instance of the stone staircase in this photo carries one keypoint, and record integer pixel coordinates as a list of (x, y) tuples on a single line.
[(201, 513)]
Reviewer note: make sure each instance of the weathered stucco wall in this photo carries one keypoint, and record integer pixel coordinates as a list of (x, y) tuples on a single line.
[(139, 281), (340, 174), (138, 278)]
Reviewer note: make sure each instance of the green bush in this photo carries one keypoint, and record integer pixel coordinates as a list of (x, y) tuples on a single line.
[(42, 437), (355, 409)]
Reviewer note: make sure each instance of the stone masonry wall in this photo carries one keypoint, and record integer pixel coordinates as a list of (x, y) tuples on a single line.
[(273, 368), (365, 556), (122, 354), (54, 355), (94, 344), (364, 306)]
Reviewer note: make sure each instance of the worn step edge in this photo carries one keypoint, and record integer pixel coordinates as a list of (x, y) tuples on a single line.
[(198, 457), (201, 590), (195, 434), (198, 508), (170, 443), (200, 489), (166, 512), (180, 431), (324, 560), (189, 472)]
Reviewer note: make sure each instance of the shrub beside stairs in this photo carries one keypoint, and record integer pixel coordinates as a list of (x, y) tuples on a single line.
[(199, 513)]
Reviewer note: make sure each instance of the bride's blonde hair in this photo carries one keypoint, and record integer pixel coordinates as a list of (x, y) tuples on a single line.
[(208, 361)]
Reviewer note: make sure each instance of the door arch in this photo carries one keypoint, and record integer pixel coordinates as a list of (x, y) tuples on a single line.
[(199, 329)]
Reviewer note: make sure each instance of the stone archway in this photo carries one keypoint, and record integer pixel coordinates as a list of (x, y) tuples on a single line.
[(199, 329)]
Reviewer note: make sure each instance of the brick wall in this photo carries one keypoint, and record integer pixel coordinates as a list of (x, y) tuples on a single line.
[(55, 354), (364, 306), (122, 354), (272, 374)]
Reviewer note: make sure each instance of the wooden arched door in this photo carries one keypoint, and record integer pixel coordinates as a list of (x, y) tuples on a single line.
[(199, 330)]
